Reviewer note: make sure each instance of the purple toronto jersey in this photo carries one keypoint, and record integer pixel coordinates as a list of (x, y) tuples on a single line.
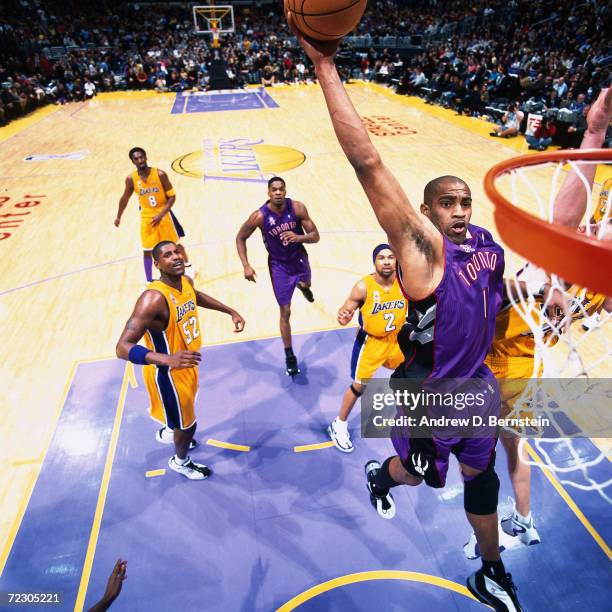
[(274, 225), (450, 332)]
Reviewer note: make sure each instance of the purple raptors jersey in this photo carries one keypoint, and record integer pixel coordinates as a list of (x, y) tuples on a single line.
[(450, 332), (274, 225)]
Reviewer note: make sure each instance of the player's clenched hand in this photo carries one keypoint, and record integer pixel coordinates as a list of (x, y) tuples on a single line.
[(289, 236), (238, 322), (184, 359), (117, 221), (249, 274), (345, 316)]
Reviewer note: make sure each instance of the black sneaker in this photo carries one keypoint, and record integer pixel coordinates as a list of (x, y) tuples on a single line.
[(292, 366), (383, 504), (499, 593), (306, 292)]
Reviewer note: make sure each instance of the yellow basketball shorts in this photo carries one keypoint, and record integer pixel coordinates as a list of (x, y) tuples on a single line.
[(512, 374), (370, 353), (165, 230), (173, 394)]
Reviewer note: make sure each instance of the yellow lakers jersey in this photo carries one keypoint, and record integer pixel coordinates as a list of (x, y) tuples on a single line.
[(183, 331), (513, 336), (602, 202), (151, 193), (384, 310)]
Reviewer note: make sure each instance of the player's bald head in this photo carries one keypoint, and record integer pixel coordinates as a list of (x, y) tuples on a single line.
[(434, 186)]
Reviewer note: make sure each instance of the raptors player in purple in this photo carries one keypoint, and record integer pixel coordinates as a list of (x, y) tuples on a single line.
[(453, 272), (285, 227)]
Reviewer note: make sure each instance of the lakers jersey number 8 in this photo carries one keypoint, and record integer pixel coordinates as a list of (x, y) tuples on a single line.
[(150, 192)]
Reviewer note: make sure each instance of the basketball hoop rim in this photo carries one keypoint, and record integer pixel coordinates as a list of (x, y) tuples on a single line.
[(573, 256)]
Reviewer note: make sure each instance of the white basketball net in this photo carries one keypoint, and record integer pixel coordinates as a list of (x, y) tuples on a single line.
[(565, 355)]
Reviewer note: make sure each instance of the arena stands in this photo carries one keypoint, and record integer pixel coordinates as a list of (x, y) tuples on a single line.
[(475, 57)]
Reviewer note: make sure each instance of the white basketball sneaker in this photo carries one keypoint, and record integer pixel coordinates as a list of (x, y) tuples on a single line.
[(340, 436), (525, 531), (190, 469), (471, 550), (165, 435), (383, 504), (497, 592)]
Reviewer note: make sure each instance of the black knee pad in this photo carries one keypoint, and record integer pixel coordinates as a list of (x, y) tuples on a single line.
[(421, 462), (355, 392), (481, 494)]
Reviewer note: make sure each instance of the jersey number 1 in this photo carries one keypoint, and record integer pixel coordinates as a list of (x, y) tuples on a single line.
[(191, 335)]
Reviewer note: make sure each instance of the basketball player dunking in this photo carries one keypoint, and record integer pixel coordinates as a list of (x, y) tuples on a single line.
[(285, 227), (451, 272), (156, 196)]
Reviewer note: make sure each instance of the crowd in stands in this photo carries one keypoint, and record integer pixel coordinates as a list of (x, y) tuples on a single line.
[(498, 58), (504, 60)]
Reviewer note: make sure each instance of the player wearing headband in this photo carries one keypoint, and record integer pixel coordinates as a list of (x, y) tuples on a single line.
[(382, 313)]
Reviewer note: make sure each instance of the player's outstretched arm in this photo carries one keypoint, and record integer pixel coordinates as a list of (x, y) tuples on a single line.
[(113, 587), (417, 243), (244, 233), (355, 300), (123, 200), (150, 308), (207, 301), (572, 199)]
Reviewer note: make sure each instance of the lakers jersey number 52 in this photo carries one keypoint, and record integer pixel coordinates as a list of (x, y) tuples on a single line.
[(173, 392)]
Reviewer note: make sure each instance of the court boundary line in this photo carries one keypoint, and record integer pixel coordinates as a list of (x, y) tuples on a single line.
[(241, 448), (304, 448), (573, 506), (366, 576), (129, 378)]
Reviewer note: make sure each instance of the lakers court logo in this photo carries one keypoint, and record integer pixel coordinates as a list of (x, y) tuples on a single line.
[(238, 159)]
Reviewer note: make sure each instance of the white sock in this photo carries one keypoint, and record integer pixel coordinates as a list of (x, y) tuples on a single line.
[(522, 519), (180, 461), (340, 424)]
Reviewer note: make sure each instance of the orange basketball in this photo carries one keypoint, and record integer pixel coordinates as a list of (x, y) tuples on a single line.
[(326, 19)]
